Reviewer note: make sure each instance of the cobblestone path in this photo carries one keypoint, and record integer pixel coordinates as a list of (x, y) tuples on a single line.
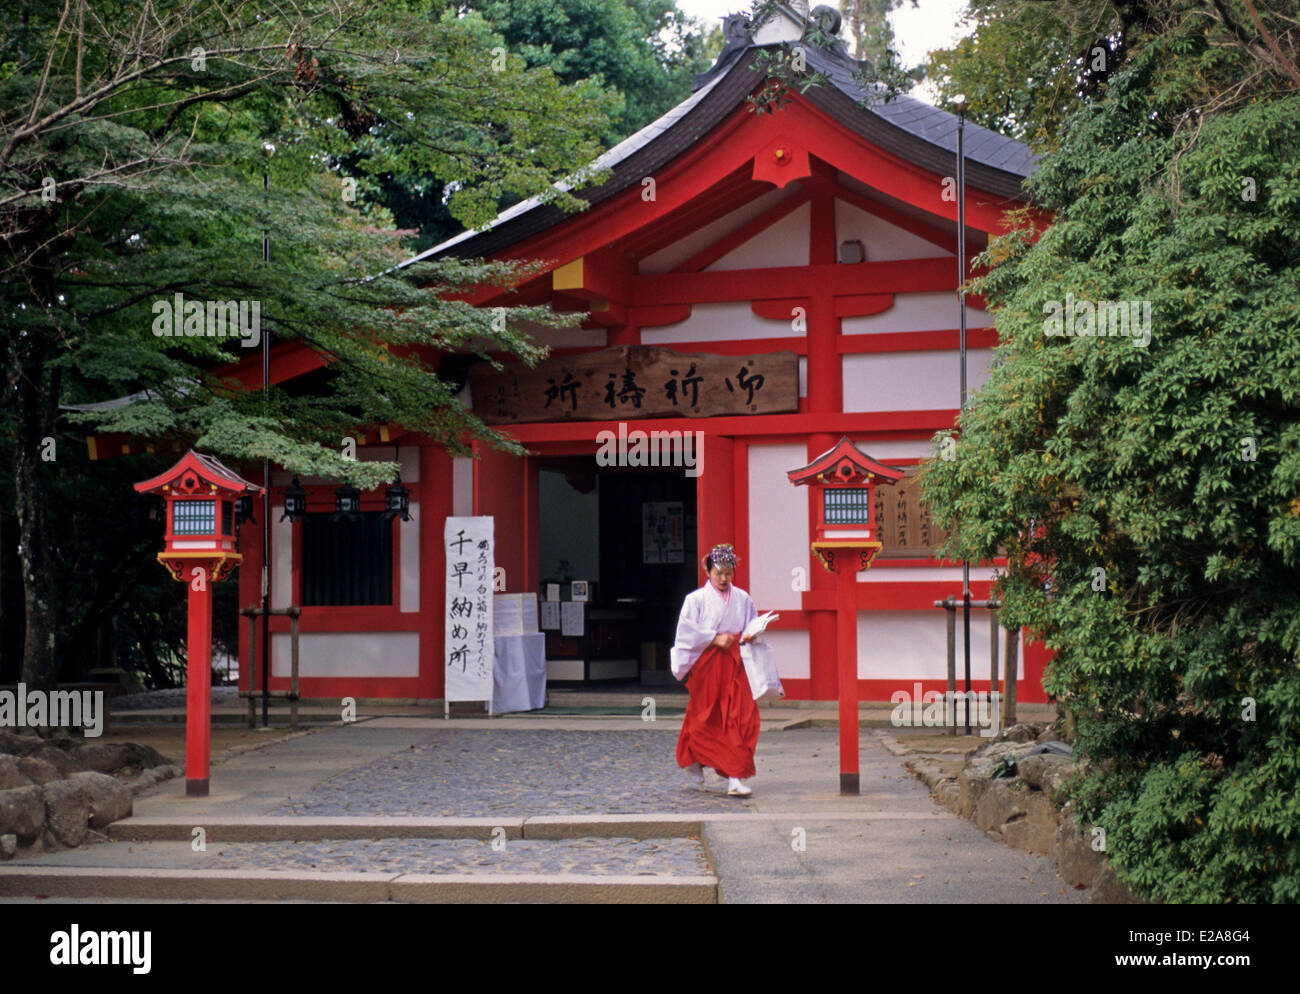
[(470, 773)]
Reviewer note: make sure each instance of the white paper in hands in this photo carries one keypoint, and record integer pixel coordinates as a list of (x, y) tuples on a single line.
[(758, 625)]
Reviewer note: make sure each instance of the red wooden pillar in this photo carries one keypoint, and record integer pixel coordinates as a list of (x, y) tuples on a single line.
[(846, 637), (715, 495), (822, 672), (198, 693), (436, 470)]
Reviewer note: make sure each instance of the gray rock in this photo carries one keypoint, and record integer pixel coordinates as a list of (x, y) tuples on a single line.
[(164, 772), (109, 757), (57, 758), (22, 813), (948, 794), (11, 774), (38, 771), (1023, 732), (146, 780), (67, 811), (1002, 802), (972, 782), (1035, 830), (18, 745), (8, 846), (1107, 889), (1048, 736), (110, 799), (101, 757), (1046, 772), (1076, 861)]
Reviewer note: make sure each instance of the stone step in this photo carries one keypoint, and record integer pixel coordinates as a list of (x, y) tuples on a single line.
[(411, 869), (104, 884), (290, 828)]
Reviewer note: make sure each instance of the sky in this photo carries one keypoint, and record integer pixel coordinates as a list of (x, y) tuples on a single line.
[(931, 25)]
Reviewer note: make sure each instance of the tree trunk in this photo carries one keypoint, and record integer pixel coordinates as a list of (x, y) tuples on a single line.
[(40, 641)]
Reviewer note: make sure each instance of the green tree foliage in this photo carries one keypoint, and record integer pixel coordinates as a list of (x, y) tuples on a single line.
[(132, 169), (1027, 65), (645, 53), (1148, 496)]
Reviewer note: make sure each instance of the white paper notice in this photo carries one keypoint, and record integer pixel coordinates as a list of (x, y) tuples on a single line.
[(469, 644), (552, 591), (571, 618), (550, 616), (507, 616)]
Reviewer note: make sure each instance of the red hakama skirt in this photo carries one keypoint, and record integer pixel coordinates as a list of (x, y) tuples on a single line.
[(720, 730)]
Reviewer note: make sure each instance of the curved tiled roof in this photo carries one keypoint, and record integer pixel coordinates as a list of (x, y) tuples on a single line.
[(905, 126)]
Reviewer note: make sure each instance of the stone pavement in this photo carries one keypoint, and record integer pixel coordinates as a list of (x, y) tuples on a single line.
[(358, 812)]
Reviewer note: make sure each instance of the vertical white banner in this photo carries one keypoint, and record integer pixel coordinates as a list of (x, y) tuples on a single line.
[(468, 543)]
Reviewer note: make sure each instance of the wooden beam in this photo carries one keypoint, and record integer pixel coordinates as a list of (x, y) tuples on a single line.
[(900, 276)]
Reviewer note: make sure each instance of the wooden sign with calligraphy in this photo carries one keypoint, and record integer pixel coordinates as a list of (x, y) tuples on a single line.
[(636, 381), (903, 520)]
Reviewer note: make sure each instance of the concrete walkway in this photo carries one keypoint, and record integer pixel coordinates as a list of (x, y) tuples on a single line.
[(538, 808)]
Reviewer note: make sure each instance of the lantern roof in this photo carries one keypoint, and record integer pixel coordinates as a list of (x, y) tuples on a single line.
[(843, 463), (209, 470)]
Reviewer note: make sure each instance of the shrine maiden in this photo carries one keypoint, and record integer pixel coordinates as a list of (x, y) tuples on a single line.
[(720, 729)]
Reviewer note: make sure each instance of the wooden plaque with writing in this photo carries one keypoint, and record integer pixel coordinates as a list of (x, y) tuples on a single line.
[(636, 381), (903, 521)]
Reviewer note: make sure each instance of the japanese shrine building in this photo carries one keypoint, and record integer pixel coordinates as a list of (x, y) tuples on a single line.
[(769, 283)]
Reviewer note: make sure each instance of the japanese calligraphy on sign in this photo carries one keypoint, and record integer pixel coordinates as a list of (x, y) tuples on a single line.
[(468, 543), (903, 520), (636, 381)]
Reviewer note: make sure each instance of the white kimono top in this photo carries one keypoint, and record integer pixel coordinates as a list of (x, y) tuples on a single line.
[(703, 616)]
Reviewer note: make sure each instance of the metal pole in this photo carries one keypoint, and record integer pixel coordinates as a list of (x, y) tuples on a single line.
[(961, 318), (266, 472), (950, 615)]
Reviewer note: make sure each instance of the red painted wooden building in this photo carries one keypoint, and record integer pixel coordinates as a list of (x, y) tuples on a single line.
[(772, 282)]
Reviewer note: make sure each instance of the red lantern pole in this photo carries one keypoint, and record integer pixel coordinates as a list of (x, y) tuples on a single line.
[(198, 693), (846, 621), (199, 549)]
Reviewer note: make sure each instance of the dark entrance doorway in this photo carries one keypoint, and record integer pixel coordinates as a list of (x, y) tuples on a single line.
[(630, 533)]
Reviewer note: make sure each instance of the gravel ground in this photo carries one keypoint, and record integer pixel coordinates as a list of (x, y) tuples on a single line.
[(472, 773)]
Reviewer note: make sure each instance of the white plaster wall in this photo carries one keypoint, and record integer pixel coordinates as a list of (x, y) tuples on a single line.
[(917, 312), (679, 251), (349, 654), (778, 525), (718, 323), (803, 376), (882, 240), (791, 652), (911, 381), (408, 534), (926, 574), (912, 645), (889, 450), (462, 486), (784, 243)]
